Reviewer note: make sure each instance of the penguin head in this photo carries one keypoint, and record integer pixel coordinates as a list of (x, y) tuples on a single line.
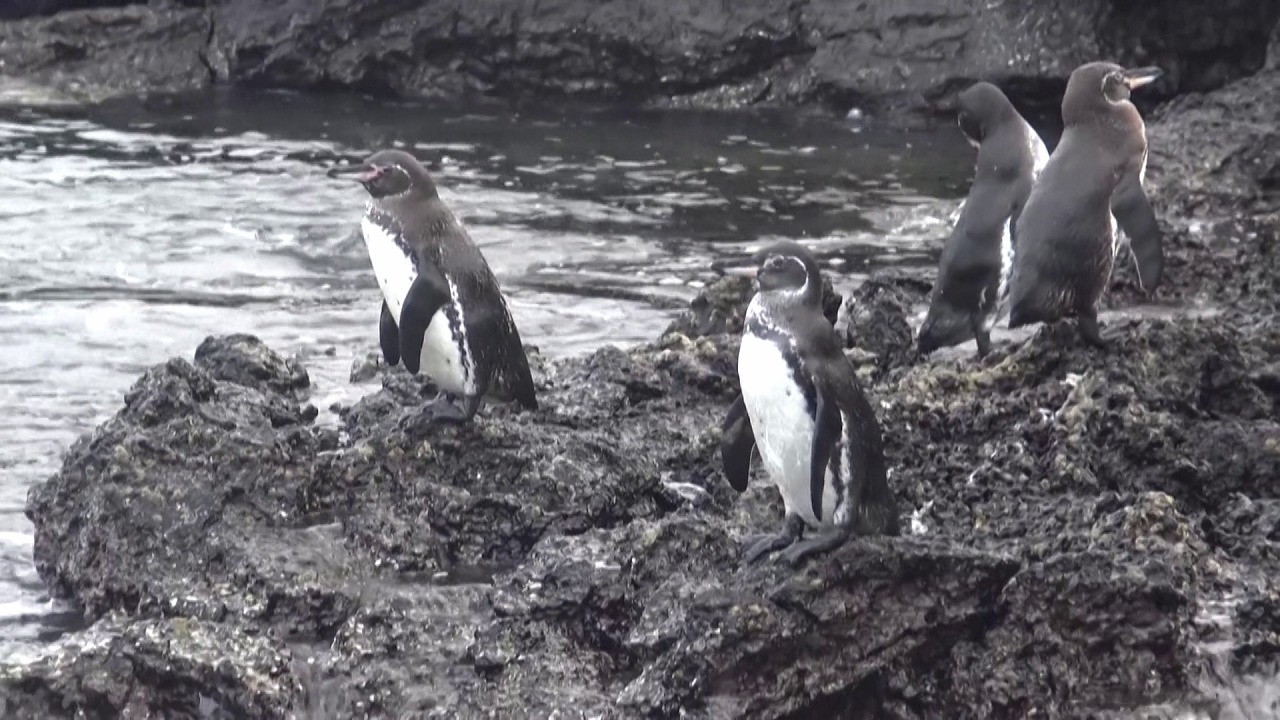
[(789, 270), (1094, 87), (391, 173), (982, 107), (1116, 85)]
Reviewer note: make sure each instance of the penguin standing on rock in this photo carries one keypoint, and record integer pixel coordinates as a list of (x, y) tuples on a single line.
[(442, 310), (801, 406), (1067, 239), (973, 274)]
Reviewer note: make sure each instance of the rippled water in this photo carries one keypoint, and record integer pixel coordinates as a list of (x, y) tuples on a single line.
[(128, 233)]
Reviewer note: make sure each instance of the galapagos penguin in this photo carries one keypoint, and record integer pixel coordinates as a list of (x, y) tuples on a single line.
[(442, 310), (972, 285), (1067, 240), (802, 408)]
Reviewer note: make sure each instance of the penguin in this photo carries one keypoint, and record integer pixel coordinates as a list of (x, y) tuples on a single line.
[(442, 310), (1067, 239), (802, 407), (969, 294)]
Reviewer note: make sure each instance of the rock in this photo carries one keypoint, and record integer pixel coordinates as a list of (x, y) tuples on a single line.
[(588, 553), (247, 361), (103, 53), (717, 310), (900, 59), (877, 313), (172, 668), (367, 366)]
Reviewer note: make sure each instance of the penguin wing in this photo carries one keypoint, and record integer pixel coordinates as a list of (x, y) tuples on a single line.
[(428, 293), (736, 441), (827, 428), (839, 394), (389, 336), (516, 374), (1134, 214)]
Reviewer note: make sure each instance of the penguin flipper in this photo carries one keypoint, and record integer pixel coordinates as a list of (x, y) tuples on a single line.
[(839, 393), (736, 441), (1134, 215), (827, 428), (389, 336), (518, 377), (429, 293)]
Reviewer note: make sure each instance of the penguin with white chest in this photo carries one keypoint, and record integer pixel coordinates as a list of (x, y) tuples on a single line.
[(442, 311), (802, 408), (1067, 233), (972, 286)]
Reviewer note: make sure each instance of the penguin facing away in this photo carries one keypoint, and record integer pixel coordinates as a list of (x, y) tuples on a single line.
[(442, 311), (1067, 240), (971, 289), (802, 408)]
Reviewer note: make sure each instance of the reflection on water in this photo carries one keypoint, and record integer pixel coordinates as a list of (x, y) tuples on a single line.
[(132, 231)]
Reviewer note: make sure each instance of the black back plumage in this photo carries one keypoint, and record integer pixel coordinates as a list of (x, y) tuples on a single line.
[(436, 239), (967, 287), (1065, 244)]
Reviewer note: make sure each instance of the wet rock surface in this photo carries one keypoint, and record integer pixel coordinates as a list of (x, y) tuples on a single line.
[(1085, 533), (903, 58)]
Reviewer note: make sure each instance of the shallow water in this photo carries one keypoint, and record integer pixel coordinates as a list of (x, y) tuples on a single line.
[(130, 232)]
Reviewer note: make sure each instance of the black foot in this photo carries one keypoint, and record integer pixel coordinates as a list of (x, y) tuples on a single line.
[(825, 541), (440, 410), (1087, 324), (760, 545), (980, 336)]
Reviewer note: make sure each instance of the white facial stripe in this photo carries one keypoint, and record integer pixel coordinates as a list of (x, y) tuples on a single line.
[(408, 186), (1120, 79), (793, 259)]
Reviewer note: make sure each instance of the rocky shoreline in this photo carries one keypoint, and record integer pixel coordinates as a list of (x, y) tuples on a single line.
[(1091, 534), (901, 61)]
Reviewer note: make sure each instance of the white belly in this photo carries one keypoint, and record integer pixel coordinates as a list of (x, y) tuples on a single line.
[(1036, 147), (441, 359), (1006, 269), (782, 427)]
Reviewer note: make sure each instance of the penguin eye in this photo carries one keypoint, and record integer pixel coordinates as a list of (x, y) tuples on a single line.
[(1113, 87)]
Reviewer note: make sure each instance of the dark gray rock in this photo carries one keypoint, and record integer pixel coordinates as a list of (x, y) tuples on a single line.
[(176, 668), (900, 58), (96, 54), (837, 53), (247, 361), (877, 326)]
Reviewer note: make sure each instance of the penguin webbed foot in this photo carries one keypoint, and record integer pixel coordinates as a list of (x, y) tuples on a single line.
[(983, 339), (825, 541), (763, 544), (442, 409), (1087, 324)]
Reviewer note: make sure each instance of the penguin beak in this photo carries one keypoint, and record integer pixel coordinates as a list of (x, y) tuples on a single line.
[(1137, 77)]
